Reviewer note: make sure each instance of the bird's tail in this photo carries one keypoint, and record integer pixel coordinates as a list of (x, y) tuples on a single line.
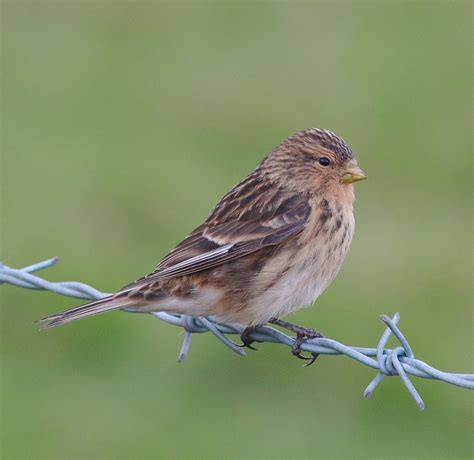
[(89, 309)]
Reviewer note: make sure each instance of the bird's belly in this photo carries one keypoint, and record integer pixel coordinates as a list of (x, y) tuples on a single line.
[(300, 286)]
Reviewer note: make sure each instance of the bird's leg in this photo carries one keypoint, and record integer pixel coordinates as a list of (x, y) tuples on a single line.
[(246, 339), (302, 333)]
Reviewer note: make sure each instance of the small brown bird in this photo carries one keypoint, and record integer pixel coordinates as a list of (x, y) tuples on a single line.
[(272, 245)]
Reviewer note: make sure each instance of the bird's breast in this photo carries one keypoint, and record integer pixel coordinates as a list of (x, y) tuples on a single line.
[(300, 272)]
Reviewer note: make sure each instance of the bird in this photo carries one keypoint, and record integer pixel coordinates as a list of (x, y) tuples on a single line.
[(270, 246)]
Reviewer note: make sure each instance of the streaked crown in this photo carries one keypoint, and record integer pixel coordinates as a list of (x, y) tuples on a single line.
[(326, 139)]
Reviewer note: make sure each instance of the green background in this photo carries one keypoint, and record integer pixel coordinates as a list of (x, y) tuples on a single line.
[(124, 123)]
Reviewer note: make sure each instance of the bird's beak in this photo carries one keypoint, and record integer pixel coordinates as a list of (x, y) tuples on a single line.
[(353, 174)]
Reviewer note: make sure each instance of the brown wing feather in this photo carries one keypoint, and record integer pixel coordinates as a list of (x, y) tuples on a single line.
[(251, 216)]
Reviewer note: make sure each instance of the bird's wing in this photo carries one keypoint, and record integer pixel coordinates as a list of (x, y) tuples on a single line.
[(234, 230)]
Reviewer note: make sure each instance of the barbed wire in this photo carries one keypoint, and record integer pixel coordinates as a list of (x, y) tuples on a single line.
[(399, 361)]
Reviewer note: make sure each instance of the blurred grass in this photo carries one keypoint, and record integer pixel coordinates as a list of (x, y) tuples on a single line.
[(123, 124)]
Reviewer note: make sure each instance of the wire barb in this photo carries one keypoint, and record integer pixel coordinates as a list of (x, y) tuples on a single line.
[(388, 362)]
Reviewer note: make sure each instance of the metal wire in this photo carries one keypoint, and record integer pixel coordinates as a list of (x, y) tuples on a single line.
[(399, 361)]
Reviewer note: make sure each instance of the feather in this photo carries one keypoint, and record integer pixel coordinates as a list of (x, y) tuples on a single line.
[(113, 302), (231, 237)]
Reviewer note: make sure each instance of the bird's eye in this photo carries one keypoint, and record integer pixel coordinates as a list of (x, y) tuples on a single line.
[(324, 161)]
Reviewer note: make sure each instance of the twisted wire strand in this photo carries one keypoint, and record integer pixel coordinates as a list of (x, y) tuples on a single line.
[(388, 362)]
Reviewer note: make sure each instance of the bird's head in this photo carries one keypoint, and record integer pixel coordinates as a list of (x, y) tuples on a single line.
[(314, 160)]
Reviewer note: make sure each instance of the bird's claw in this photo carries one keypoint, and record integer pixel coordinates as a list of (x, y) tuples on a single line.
[(311, 359), (300, 338), (246, 339), (302, 334)]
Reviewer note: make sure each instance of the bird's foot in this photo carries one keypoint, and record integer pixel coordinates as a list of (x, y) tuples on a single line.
[(302, 333), (246, 339)]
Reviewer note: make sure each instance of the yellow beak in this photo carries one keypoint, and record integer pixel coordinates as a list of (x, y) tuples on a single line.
[(353, 174)]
